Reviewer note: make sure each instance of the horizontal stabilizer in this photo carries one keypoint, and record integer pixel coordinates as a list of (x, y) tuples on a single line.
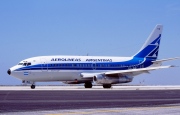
[(168, 59)]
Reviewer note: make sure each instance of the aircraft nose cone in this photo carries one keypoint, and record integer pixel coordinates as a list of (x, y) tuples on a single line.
[(9, 72)]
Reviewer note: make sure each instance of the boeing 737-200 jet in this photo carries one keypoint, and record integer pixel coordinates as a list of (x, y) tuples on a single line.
[(87, 69)]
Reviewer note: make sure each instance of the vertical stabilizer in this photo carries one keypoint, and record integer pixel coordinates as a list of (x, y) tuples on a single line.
[(150, 48)]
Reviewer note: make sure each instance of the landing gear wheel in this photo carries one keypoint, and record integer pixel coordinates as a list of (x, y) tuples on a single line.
[(88, 85), (33, 86), (106, 85)]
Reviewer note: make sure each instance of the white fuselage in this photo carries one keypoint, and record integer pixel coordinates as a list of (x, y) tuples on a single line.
[(69, 68)]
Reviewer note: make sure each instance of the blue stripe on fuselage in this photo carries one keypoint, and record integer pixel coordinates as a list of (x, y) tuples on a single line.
[(133, 63)]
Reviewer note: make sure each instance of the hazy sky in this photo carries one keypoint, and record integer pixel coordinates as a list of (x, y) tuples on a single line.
[(31, 28)]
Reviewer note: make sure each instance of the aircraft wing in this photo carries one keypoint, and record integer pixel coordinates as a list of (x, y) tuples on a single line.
[(131, 72), (136, 71)]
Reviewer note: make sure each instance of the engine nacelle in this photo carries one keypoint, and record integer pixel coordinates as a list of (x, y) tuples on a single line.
[(102, 79)]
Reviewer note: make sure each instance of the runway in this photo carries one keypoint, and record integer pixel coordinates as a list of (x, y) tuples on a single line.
[(40, 100)]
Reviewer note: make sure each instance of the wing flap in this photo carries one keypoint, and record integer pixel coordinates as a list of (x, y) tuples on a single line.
[(131, 71)]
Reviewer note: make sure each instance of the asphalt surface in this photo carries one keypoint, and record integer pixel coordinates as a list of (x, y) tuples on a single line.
[(21, 101)]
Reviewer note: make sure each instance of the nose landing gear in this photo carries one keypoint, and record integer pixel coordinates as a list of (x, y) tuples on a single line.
[(24, 82), (33, 86)]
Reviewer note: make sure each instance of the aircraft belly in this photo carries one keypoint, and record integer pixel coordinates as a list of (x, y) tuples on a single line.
[(49, 75), (52, 75), (64, 76)]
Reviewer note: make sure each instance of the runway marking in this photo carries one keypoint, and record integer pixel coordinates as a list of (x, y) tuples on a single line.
[(81, 88), (117, 111), (63, 101), (5, 97)]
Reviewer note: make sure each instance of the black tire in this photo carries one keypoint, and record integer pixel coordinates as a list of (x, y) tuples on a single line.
[(33, 86), (88, 85), (106, 85)]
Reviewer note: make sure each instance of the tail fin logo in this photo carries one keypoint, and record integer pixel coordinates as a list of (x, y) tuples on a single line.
[(154, 52), (150, 48)]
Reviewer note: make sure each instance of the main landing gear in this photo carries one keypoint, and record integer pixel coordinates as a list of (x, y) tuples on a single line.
[(88, 85), (33, 86), (106, 85)]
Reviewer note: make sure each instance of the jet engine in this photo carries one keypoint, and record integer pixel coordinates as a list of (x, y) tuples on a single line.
[(104, 79)]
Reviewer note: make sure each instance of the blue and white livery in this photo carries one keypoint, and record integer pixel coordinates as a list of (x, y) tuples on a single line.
[(86, 69)]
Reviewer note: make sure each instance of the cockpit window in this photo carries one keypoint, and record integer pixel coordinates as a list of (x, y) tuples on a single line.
[(25, 64), (28, 64)]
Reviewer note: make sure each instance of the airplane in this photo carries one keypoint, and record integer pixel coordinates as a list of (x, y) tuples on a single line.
[(102, 70)]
